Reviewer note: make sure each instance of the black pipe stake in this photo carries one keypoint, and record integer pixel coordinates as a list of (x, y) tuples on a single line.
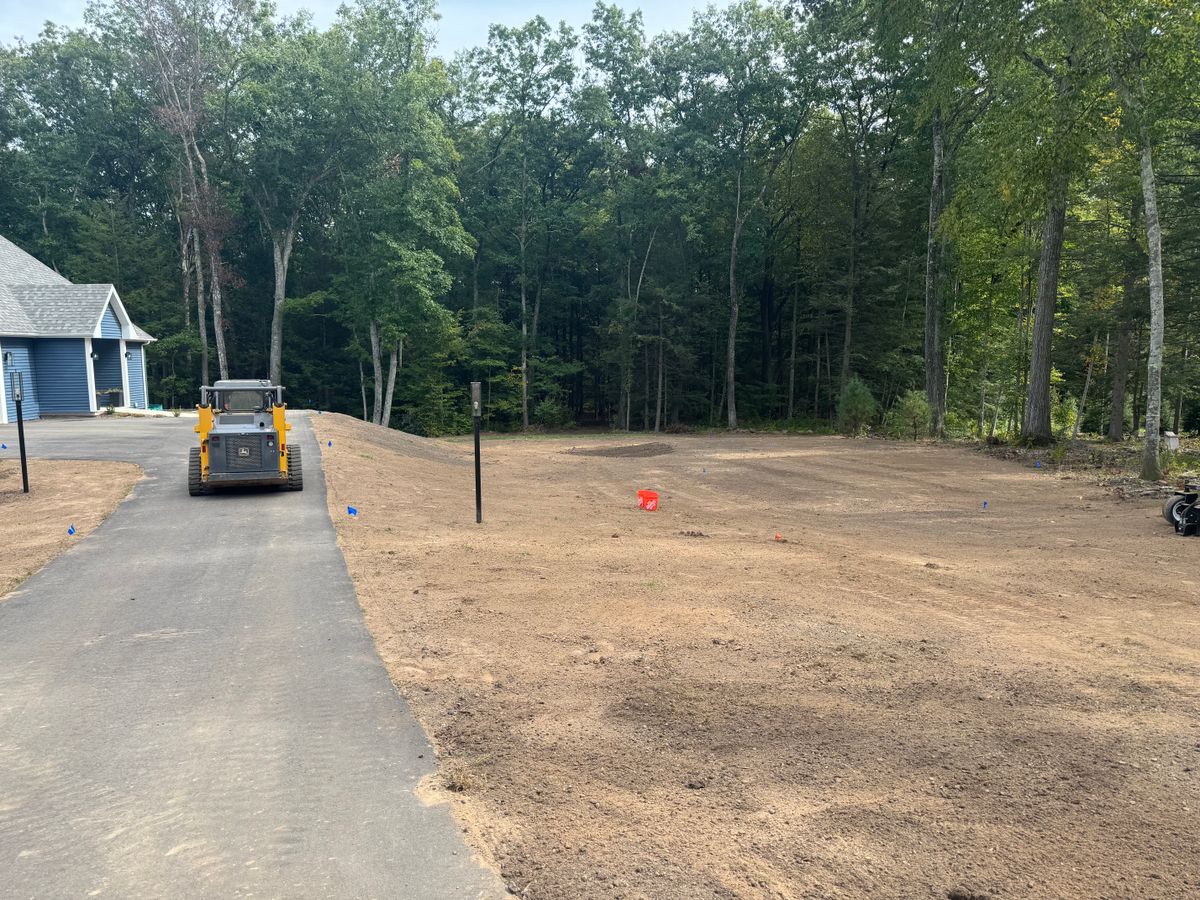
[(476, 413), (18, 398)]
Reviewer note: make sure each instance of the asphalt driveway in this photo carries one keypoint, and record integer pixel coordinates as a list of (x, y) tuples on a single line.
[(191, 705)]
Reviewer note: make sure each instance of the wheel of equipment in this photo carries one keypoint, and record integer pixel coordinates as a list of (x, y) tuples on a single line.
[(295, 469), (1173, 508), (196, 485)]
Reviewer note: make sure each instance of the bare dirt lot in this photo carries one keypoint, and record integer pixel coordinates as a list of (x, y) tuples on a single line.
[(33, 527), (905, 695)]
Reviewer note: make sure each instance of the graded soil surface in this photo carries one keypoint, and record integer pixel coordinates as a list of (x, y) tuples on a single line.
[(821, 669), (34, 527)]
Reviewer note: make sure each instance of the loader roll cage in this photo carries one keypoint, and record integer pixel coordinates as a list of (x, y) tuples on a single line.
[(242, 397)]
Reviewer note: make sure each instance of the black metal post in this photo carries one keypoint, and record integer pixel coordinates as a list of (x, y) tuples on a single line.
[(18, 388), (476, 414)]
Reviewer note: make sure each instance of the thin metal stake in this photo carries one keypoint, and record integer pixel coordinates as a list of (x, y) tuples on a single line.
[(476, 413), (18, 389)]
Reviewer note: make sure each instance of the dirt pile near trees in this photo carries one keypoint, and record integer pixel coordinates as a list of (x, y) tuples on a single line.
[(905, 695)]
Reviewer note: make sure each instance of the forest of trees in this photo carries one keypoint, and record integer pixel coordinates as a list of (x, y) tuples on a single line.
[(995, 203)]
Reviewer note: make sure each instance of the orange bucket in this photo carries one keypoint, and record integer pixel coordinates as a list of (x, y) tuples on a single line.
[(648, 500)]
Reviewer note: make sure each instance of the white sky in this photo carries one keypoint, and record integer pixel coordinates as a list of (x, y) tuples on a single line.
[(464, 23)]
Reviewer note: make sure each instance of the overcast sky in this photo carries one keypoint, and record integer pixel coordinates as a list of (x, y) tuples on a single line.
[(464, 23)]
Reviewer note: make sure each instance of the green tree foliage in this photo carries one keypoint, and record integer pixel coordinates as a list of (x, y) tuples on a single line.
[(912, 413), (857, 407), (986, 203)]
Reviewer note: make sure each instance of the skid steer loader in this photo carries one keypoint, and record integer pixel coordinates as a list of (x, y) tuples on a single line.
[(243, 439)]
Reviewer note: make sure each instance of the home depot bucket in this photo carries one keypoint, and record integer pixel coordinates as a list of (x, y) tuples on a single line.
[(647, 500)]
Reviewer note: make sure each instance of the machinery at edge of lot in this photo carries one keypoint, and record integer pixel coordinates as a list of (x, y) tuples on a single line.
[(1182, 509), (243, 439)]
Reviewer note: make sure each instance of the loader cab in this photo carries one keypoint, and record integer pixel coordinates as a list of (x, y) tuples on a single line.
[(241, 397)]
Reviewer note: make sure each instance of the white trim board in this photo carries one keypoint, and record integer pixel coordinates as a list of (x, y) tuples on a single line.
[(91, 374), (124, 374), (145, 383)]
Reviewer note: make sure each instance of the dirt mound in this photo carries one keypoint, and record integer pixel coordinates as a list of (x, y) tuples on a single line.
[(409, 445), (626, 450)]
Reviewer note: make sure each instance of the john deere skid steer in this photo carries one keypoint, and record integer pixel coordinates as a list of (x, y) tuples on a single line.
[(243, 439)]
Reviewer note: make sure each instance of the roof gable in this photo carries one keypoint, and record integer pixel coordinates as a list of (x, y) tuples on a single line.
[(63, 310)]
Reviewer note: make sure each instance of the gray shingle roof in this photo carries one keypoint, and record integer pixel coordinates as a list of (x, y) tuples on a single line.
[(35, 301), (13, 319), (18, 267), (63, 310)]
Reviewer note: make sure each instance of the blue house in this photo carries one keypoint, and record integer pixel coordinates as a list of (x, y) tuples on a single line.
[(75, 347)]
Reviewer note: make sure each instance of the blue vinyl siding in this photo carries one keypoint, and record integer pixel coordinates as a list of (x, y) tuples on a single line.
[(23, 363), (109, 326), (107, 369), (137, 387), (60, 367)]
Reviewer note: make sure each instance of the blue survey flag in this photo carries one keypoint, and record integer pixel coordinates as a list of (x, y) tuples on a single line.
[(329, 443), (352, 510), (71, 530)]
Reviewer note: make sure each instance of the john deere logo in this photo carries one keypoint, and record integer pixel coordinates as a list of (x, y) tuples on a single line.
[(243, 451)]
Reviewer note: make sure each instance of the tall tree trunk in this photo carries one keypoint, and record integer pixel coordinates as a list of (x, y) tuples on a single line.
[(475, 275), (983, 370), (1087, 383), (185, 269), (646, 387), (1151, 470), (658, 403), (1177, 424), (731, 345), (209, 216), (766, 314), (523, 241), (1120, 375), (634, 294), (524, 348), (362, 384), (791, 407), (201, 311), (1136, 405), (851, 278), (394, 363), (218, 308), (1134, 109), (935, 379), (1121, 366), (281, 246), (1037, 429), (377, 366)]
